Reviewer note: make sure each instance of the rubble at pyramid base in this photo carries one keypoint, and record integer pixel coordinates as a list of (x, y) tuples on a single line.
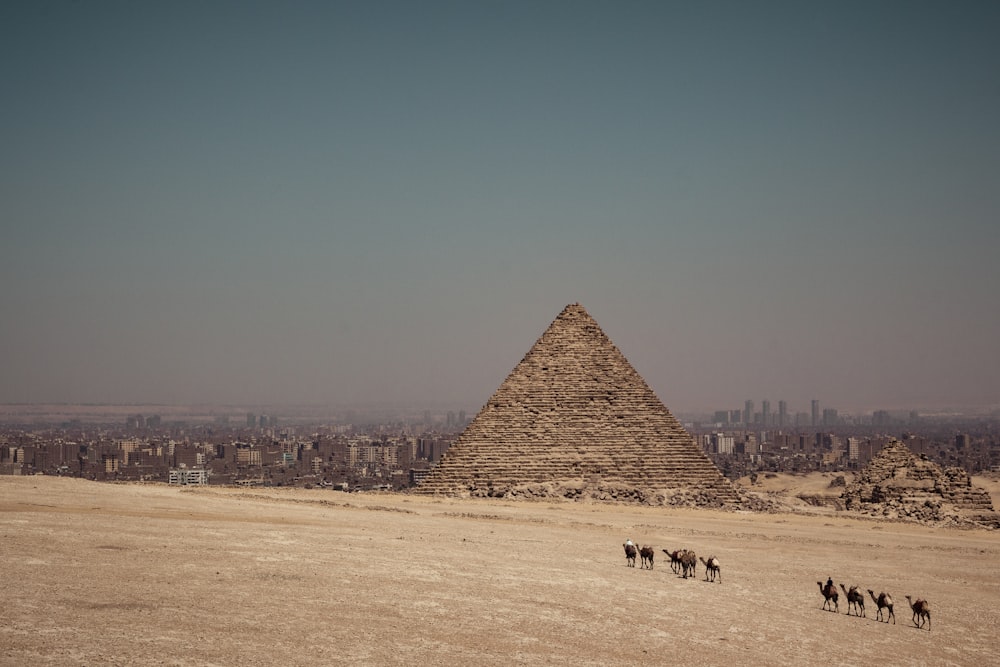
[(898, 485), (736, 500)]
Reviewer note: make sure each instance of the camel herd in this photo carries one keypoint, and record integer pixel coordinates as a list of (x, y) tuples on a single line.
[(856, 602), (683, 562)]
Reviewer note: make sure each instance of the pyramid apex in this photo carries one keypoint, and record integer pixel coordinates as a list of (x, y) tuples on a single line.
[(574, 309)]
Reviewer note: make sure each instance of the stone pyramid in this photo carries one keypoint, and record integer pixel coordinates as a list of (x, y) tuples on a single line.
[(897, 483), (575, 419)]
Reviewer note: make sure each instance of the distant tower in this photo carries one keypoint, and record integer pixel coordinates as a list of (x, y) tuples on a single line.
[(815, 413), (251, 420), (748, 412), (765, 413), (782, 414), (853, 449)]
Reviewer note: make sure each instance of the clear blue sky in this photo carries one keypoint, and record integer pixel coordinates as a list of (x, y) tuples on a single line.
[(368, 202)]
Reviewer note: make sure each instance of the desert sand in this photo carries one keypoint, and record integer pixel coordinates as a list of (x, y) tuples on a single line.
[(116, 574)]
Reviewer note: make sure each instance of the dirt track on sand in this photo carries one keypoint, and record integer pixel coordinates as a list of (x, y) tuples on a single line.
[(99, 574)]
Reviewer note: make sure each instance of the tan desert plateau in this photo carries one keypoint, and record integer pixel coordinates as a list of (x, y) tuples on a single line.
[(130, 574)]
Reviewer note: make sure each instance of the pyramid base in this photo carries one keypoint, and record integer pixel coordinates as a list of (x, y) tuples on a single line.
[(728, 498)]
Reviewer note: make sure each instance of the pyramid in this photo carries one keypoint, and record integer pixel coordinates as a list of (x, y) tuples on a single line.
[(575, 419), (896, 483)]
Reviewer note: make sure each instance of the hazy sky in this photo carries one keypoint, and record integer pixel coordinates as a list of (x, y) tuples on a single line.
[(292, 202)]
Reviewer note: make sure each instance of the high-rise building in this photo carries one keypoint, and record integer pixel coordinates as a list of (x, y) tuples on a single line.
[(748, 412), (815, 413), (782, 414), (853, 449), (722, 443), (765, 412)]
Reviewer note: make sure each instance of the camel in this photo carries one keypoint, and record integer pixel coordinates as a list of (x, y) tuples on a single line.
[(883, 601), (646, 553), (922, 611), (830, 593), (712, 568), (689, 563), (855, 599), (629, 554), (675, 560)]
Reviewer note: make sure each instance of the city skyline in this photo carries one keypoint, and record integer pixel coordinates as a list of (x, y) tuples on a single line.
[(336, 204)]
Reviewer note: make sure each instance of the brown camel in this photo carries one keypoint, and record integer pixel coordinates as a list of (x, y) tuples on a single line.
[(646, 553), (830, 594), (921, 611), (883, 601), (629, 554), (689, 563), (675, 560), (855, 599), (712, 568)]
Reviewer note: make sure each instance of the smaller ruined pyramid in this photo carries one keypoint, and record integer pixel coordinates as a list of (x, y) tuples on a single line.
[(574, 418), (896, 483)]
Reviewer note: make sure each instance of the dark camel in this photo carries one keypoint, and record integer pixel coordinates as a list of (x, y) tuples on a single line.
[(675, 560), (921, 612), (712, 568), (830, 593), (855, 599), (883, 601), (689, 563), (629, 554), (646, 553)]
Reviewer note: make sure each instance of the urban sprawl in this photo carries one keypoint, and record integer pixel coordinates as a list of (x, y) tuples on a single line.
[(351, 453)]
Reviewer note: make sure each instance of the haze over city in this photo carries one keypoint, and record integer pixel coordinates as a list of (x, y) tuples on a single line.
[(365, 203)]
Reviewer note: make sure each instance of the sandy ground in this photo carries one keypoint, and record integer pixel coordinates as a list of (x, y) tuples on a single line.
[(102, 574)]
